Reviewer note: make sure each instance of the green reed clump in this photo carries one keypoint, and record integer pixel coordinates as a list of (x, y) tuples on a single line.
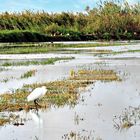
[(28, 74)]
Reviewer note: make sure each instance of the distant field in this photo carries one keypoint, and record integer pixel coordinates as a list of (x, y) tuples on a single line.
[(25, 48)]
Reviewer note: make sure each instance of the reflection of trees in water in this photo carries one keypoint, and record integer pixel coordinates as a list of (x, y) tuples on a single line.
[(129, 117)]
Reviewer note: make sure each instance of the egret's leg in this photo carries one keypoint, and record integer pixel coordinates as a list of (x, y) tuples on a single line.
[(37, 101), (36, 104)]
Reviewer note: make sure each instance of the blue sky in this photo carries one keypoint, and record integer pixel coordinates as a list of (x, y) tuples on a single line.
[(48, 5)]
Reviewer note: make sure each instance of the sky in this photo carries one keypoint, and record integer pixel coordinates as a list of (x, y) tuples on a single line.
[(49, 5)]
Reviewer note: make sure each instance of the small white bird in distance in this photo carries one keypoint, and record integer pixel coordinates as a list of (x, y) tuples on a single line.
[(36, 94)]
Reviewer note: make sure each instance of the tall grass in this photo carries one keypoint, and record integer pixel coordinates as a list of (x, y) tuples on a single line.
[(28, 74), (109, 20)]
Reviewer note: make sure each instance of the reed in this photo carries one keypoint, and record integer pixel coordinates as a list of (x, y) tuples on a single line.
[(109, 20)]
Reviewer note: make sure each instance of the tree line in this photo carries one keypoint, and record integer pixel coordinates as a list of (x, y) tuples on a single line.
[(108, 20)]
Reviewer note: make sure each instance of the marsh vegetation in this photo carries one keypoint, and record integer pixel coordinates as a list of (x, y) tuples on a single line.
[(36, 62), (28, 74), (87, 96), (109, 20), (59, 92), (29, 48)]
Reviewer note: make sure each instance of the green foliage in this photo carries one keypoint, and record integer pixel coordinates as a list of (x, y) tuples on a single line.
[(53, 29), (20, 36), (28, 74), (109, 20), (33, 62), (26, 48)]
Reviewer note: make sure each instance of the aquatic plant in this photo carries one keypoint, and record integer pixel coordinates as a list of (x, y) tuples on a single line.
[(5, 80), (103, 75), (36, 62), (128, 118), (3, 121), (28, 74), (81, 135), (26, 48)]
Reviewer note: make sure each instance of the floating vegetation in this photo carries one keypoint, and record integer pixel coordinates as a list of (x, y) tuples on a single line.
[(25, 75), (60, 93), (101, 51), (2, 69), (3, 121), (103, 75), (129, 117), (16, 120), (43, 62), (77, 119), (78, 51), (127, 51), (28, 74), (13, 119), (83, 135), (5, 80)]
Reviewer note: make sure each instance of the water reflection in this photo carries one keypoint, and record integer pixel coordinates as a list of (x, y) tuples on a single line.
[(35, 115), (77, 119)]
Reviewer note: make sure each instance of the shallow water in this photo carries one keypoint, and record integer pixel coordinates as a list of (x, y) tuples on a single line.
[(93, 115)]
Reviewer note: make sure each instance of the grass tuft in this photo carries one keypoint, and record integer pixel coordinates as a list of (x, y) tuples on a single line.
[(43, 62)]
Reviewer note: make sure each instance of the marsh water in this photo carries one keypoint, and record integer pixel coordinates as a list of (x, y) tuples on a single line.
[(100, 108)]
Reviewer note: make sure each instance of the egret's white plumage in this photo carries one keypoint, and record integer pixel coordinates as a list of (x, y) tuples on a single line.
[(37, 93)]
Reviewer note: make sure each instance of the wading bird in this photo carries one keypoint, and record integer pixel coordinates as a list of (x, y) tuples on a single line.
[(36, 94)]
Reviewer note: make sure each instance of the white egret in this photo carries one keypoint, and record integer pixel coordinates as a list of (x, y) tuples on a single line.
[(36, 94)]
